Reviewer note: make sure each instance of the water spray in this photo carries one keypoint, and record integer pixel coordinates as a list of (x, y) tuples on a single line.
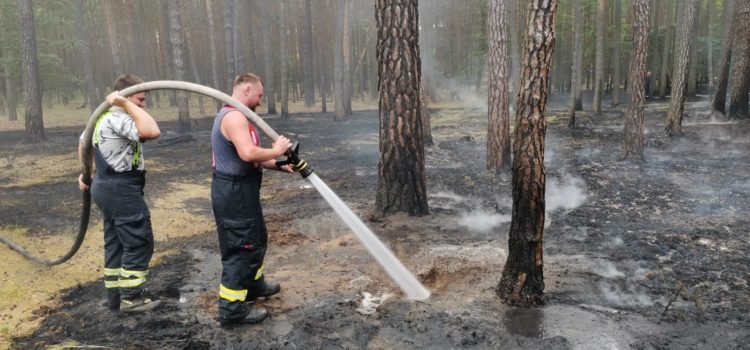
[(395, 269)]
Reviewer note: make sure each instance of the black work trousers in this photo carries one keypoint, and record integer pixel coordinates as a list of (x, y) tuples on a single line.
[(128, 237), (242, 240)]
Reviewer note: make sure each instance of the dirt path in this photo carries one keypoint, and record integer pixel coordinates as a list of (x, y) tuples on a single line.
[(623, 241)]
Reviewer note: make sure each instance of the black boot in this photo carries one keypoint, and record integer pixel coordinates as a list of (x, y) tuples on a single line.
[(265, 290), (253, 315), (113, 299)]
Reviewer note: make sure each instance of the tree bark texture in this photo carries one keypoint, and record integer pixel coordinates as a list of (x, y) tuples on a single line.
[(679, 75), (710, 8), (498, 131), (669, 41), (601, 6), (720, 95), (284, 59), (266, 31), (738, 99), (402, 179), (110, 15), (632, 147), (577, 69), (229, 42), (340, 93), (178, 60), (212, 47), (34, 121), (522, 281), (82, 39), (616, 55), (425, 110), (307, 56)]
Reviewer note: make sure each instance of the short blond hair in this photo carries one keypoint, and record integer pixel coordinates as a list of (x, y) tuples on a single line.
[(246, 78)]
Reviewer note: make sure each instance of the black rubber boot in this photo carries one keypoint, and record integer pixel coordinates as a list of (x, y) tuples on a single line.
[(266, 290), (113, 299), (253, 315)]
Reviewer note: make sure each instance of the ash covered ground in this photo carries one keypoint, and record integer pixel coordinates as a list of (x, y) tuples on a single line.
[(637, 255)]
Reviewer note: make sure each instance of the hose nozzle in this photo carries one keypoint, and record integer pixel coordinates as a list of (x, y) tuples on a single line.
[(298, 164)]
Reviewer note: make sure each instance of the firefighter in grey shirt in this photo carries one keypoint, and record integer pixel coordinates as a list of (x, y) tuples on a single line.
[(117, 189)]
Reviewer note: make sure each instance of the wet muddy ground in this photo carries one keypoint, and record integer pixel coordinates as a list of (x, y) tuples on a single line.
[(637, 255)]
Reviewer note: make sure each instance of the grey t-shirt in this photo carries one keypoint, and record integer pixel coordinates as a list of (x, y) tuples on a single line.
[(117, 139)]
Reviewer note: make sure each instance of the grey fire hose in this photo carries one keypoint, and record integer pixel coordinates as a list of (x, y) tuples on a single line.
[(87, 160)]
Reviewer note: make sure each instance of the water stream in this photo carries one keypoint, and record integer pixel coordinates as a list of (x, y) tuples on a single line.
[(398, 272)]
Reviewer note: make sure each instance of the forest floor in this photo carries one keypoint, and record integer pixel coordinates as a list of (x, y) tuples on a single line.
[(637, 255)]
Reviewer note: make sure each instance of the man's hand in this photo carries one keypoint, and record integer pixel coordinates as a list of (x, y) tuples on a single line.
[(82, 185), (282, 145), (115, 99)]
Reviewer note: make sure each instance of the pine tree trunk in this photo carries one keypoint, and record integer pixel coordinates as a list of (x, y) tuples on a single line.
[(426, 124), (229, 42), (307, 56), (575, 82), (515, 47), (738, 100), (401, 170), (110, 16), (498, 131), (269, 85), (710, 4), (522, 281), (34, 122), (632, 146), (338, 66), (212, 47), (669, 40), (82, 38), (11, 100), (692, 83), (284, 59), (653, 65), (347, 61), (719, 102), (617, 59), (178, 60), (601, 6), (682, 55)]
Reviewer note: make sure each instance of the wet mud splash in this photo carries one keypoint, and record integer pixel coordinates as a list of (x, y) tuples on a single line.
[(642, 256)]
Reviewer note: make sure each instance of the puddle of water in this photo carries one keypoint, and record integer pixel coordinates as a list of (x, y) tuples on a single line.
[(583, 329)]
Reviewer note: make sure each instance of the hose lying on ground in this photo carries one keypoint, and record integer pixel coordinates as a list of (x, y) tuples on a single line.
[(87, 160)]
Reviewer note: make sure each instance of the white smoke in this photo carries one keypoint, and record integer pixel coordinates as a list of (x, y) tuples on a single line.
[(567, 193)]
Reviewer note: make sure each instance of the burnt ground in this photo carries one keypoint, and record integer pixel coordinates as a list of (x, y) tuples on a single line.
[(638, 255)]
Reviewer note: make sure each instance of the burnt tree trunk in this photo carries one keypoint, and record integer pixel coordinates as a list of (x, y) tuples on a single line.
[(738, 99), (230, 42), (340, 94), (11, 100), (522, 282), (178, 60), (401, 170), (669, 40), (110, 16), (266, 32), (710, 4), (212, 47), (425, 110), (616, 59), (284, 60), (308, 68), (632, 146), (601, 6), (82, 38), (34, 121), (498, 130), (575, 82), (679, 75), (719, 102)]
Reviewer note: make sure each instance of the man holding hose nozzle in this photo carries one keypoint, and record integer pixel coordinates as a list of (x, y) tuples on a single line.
[(117, 189), (237, 162)]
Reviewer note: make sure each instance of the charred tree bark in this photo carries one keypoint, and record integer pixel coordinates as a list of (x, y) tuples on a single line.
[(738, 100), (522, 281), (682, 56), (178, 60), (212, 47), (284, 59), (401, 170), (498, 131), (601, 6), (669, 41), (34, 122), (632, 146), (341, 97), (575, 82), (269, 85), (82, 38), (616, 59), (719, 102), (229, 42), (307, 56)]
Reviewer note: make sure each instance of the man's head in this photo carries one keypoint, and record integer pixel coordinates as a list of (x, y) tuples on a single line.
[(127, 80), (248, 89)]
